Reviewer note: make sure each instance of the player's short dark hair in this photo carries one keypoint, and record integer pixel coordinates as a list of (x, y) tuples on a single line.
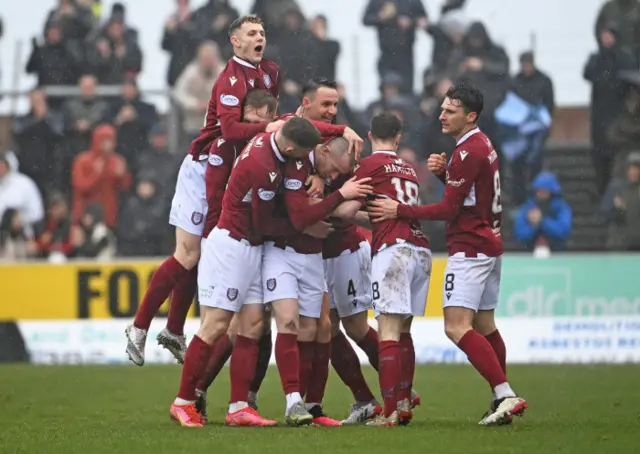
[(385, 126), (316, 84), (301, 132), (239, 22), (470, 98), (261, 98)]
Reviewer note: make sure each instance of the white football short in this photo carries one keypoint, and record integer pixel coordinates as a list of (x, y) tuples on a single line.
[(286, 274), (400, 277), (472, 282), (348, 279), (229, 272), (189, 204)]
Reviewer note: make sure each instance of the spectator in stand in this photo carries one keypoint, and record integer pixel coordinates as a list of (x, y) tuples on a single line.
[(299, 51), (83, 114), (545, 221), (624, 132), (19, 192), (433, 140), (447, 35), (100, 175), (347, 116), (328, 49), (55, 62), (115, 56), (625, 13), (484, 65), (620, 208), (39, 136), (15, 243), (193, 87), (133, 119), (396, 22), (143, 227), (95, 240), (75, 19), (56, 235), (158, 161), (271, 12), (180, 40), (607, 95), (523, 136), (212, 22)]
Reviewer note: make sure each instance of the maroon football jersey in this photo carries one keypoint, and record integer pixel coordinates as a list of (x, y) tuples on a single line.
[(249, 199), (395, 179), (298, 208), (471, 204), (224, 112), (346, 236), (222, 155)]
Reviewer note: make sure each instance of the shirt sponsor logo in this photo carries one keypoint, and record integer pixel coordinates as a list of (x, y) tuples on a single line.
[(215, 160), (266, 195), (293, 185), (229, 100)]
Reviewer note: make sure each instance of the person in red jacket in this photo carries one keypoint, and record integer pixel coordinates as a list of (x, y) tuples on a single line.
[(99, 174)]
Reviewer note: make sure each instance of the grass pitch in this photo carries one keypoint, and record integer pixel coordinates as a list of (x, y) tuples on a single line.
[(573, 409)]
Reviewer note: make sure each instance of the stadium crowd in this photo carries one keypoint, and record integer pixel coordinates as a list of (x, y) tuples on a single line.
[(103, 169)]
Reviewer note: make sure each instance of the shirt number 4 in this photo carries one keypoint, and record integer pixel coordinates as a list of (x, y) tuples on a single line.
[(407, 191)]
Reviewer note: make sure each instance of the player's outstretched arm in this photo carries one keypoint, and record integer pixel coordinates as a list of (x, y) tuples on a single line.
[(348, 210)]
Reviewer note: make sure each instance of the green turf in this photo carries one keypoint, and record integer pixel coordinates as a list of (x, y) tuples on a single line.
[(573, 409)]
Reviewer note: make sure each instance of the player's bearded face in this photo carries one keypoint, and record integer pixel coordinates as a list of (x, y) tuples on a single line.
[(249, 42), (322, 106)]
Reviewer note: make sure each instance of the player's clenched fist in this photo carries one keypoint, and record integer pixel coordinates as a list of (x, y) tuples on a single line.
[(319, 230), (437, 163), (354, 189)]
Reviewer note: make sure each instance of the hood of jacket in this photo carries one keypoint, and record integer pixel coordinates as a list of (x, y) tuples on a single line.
[(100, 135), (547, 181)]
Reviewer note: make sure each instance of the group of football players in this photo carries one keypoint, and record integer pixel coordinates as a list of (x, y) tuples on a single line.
[(269, 215)]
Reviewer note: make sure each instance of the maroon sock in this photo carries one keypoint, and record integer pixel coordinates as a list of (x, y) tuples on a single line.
[(265, 347), (288, 362), (408, 359), (243, 367), (347, 365), (195, 364), (162, 282), (181, 299), (390, 374), (319, 373), (307, 353), (369, 345), (220, 353), (495, 339), (482, 357)]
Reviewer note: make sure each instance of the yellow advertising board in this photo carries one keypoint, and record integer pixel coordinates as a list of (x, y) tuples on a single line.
[(93, 290)]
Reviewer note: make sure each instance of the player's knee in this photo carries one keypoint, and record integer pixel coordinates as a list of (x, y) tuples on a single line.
[(455, 331), (252, 328), (212, 327), (308, 329), (484, 323), (287, 323), (356, 326)]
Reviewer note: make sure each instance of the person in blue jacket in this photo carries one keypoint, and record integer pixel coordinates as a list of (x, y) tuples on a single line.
[(546, 217)]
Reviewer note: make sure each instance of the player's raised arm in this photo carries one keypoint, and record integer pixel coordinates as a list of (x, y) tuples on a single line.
[(302, 213), (462, 174)]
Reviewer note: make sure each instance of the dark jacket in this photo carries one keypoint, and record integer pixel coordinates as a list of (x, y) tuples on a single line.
[(536, 89), (557, 217), (182, 44), (391, 37)]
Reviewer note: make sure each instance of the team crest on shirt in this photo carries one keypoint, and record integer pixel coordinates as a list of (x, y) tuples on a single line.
[(271, 284), (267, 80), (232, 294), (197, 218)]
